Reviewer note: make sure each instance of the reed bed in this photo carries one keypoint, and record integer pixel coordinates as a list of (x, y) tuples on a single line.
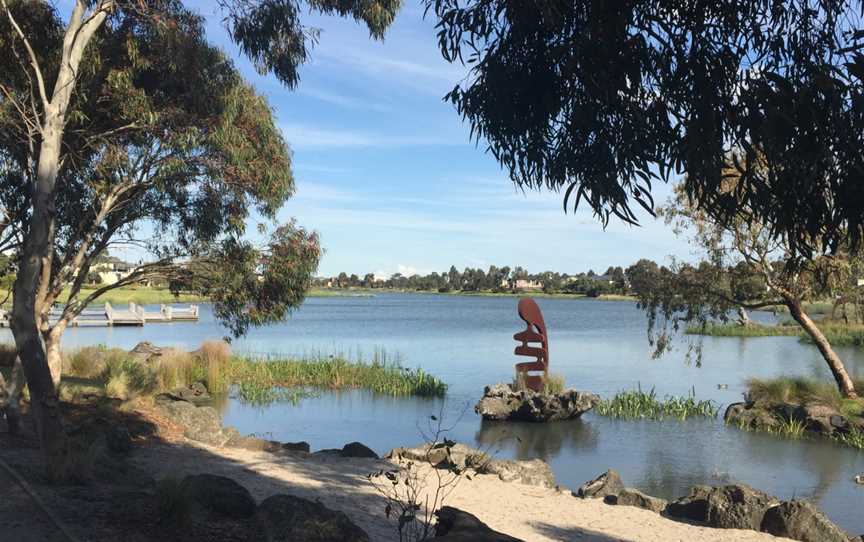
[(637, 404), (325, 372), (257, 381), (800, 390)]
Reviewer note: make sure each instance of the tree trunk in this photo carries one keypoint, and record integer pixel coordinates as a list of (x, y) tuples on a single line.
[(743, 317), (844, 382), (55, 360), (10, 397), (26, 310)]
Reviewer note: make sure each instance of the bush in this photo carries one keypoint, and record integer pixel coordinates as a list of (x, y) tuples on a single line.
[(553, 384)]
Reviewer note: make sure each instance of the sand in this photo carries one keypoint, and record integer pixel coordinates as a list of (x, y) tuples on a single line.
[(526, 512)]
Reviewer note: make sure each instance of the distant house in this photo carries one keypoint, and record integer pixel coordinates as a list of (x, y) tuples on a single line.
[(112, 270), (526, 284)]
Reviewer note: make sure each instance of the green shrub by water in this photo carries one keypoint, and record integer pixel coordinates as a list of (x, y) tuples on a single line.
[(638, 404)]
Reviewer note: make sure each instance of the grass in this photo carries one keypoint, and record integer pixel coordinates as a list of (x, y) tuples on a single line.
[(335, 372), (799, 390), (142, 295), (553, 385), (854, 438), (638, 404), (735, 330), (837, 333), (257, 381)]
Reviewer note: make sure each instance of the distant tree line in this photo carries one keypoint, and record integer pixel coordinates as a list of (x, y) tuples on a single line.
[(495, 279)]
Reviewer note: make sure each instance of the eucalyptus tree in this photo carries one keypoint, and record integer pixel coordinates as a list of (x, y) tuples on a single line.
[(120, 123), (602, 100), (742, 267)]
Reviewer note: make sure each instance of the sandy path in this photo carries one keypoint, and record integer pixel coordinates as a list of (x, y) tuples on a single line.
[(530, 513)]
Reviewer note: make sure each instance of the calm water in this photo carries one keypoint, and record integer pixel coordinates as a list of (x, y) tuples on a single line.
[(598, 346)]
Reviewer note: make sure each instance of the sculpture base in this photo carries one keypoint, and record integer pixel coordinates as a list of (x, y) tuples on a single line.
[(502, 402)]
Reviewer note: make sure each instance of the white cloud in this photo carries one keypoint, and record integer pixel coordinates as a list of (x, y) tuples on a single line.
[(344, 101), (406, 270), (302, 136)]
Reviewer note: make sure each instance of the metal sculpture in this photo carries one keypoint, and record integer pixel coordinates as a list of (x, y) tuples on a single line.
[(534, 333)]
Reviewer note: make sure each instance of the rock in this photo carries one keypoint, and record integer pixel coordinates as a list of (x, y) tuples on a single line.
[(633, 497), (200, 423), (608, 483), (196, 394), (534, 472), (285, 518), (858, 478), (145, 350), (501, 402), (737, 507), (219, 495), (750, 416), (693, 507), (262, 445), (802, 521), (356, 449), (455, 525)]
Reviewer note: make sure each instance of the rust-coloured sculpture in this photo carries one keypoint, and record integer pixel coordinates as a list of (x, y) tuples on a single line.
[(534, 333)]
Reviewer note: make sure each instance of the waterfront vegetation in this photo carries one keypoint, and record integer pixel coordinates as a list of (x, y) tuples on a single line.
[(800, 391), (838, 333), (258, 381), (637, 404)]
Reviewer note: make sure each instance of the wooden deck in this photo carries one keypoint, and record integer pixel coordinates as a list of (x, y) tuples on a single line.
[(134, 315)]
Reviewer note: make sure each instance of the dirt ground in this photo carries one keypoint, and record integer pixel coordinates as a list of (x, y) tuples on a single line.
[(117, 499)]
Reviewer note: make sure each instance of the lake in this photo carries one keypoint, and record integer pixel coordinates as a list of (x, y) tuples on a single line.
[(598, 346)]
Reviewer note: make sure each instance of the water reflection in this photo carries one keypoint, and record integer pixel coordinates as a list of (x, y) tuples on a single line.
[(535, 440)]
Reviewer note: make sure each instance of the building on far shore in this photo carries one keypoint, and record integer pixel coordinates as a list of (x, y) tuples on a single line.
[(112, 270)]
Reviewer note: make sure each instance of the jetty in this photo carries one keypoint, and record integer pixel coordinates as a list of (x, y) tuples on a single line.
[(134, 315)]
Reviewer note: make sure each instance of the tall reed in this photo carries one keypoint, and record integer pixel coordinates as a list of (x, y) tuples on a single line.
[(637, 404)]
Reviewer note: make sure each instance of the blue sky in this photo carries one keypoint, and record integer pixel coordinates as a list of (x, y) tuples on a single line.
[(388, 177)]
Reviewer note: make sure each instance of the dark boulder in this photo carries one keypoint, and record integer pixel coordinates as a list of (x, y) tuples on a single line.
[(693, 507), (802, 521), (455, 525), (501, 402), (357, 449), (118, 439), (633, 497), (219, 495), (737, 507), (608, 483), (285, 518)]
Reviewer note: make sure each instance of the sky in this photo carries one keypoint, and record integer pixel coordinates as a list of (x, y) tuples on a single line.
[(387, 175)]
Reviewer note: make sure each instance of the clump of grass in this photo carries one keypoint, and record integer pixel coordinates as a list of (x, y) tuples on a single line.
[(177, 369), (86, 362), (799, 390), (553, 384), (839, 334), (125, 377), (789, 428), (216, 359), (638, 404), (854, 438)]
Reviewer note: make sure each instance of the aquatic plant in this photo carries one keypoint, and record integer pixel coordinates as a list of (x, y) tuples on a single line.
[(637, 404), (737, 330), (327, 372), (854, 438), (250, 394)]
